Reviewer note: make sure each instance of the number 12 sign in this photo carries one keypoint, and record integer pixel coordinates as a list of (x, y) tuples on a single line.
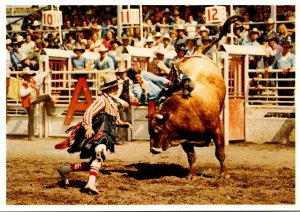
[(215, 14)]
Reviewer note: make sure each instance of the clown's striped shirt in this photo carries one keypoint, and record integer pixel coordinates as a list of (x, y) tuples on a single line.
[(105, 104)]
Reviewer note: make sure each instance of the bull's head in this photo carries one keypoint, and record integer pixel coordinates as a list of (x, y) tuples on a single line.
[(159, 132)]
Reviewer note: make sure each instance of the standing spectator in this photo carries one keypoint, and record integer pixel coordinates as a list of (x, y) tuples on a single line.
[(283, 34), (191, 26), (125, 115), (285, 61), (176, 18), (270, 30), (104, 62), (35, 32), (79, 62), (181, 37), (274, 48), (123, 48), (15, 56), (28, 45), (29, 92), (98, 127)]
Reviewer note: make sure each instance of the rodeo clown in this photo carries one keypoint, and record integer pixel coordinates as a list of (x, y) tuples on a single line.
[(96, 134)]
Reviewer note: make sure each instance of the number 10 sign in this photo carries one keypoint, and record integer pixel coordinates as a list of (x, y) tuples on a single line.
[(51, 18), (215, 14)]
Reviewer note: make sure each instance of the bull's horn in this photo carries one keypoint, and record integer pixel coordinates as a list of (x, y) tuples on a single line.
[(159, 116)]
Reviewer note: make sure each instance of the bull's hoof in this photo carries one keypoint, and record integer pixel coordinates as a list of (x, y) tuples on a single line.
[(191, 177), (225, 175)]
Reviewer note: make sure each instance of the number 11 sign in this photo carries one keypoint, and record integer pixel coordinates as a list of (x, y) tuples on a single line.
[(215, 14)]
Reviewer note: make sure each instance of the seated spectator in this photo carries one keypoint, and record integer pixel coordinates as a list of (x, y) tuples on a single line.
[(176, 18), (97, 42), (113, 52), (104, 62), (108, 39), (163, 25), (191, 43), (237, 30), (167, 42), (158, 42), (79, 62), (35, 32), (274, 48), (203, 32), (25, 62), (253, 35), (149, 42), (70, 41), (212, 52), (28, 45)]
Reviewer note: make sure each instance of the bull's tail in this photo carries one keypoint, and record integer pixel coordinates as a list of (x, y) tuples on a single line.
[(223, 32)]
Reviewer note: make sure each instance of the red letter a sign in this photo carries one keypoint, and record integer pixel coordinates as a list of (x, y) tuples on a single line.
[(79, 106)]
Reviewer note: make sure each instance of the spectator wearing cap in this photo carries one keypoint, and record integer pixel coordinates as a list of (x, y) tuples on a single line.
[(29, 91), (285, 61), (181, 37), (79, 62), (104, 62), (35, 32), (167, 42), (191, 43), (157, 66), (15, 56), (158, 41), (283, 34)]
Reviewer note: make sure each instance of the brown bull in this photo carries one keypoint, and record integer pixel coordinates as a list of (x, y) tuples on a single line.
[(193, 121)]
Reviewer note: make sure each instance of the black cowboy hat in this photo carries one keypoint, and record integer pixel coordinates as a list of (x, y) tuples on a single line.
[(287, 43)]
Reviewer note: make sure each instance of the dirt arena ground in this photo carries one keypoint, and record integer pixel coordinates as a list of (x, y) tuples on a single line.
[(260, 174)]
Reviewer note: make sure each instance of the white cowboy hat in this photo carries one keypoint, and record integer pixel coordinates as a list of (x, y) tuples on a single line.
[(121, 69), (36, 23), (23, 56), (8, 41), (27, 71), (166, 36), (102, 48), (254, 30), (157, 34), (159, 51), (270, 21), (203, 28), (110, 80), (149, 39), (79, 48), (20, 38)]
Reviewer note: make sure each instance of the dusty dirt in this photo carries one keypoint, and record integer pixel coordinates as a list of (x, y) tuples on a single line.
[(260, 174)]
